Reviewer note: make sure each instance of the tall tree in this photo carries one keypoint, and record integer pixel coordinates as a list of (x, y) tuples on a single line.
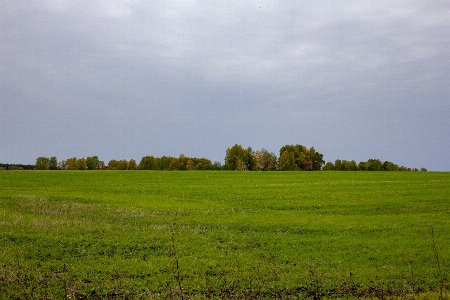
[(249, 163), (350, 165), (233, 155), (113, 164), (287, 161), (318, 161), (42, 163), (190, 165), (53, 163), (122, 164), (81, 164), (264, 160), (63, 164), (175, 164), (329, 166), (164, 162), (338, 166), (72, 163), (148, 163), (92, 163), (132, 165), (259, 160)]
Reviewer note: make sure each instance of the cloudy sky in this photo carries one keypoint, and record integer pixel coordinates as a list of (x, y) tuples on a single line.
[(125, 79)]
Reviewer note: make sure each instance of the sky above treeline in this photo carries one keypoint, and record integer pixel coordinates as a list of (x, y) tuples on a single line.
[(127, 79)]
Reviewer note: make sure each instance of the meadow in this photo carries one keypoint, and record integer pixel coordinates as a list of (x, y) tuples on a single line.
[(218, 235)]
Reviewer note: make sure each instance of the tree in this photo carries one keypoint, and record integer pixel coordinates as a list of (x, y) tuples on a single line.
[(317, 161), (306, 163), (287, 161), (249, 163), (42, 163), (389, 166), (338, 166), (375, 164), (175, 164), (81, 164), (190, 165), (270, 160), (233, 155), (92, 163), (240, 165), (164, 162), (71, 163), (329, 166), (216, 166), (259, 160), (202, 164), (183, 161), (350, 166), (132, 165), (53, 163), (147, 163), (363, 166), (113, 164), (122, 164), (304, 158)]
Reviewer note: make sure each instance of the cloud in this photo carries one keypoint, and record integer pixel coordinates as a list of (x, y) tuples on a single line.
[(164, 77)]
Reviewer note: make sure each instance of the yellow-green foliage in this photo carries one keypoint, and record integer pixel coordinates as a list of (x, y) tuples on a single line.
[(150, 234)]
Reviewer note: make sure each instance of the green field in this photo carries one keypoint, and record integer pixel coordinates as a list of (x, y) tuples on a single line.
[(184, 235)]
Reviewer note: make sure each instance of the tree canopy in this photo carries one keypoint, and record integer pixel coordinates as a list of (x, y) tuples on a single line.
[(237, 158)]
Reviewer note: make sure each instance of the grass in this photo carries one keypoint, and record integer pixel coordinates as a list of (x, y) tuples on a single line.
[(199, 235)]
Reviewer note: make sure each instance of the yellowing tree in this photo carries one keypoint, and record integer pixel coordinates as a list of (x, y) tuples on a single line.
[(190, 165), (287, 161), (132, 165), (259, 160)]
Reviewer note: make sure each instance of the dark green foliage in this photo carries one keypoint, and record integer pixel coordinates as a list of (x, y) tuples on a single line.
[(42, 163), (53, 163), (292, 157), (370, 165), (304, 158), (235, 156), (13, 167)]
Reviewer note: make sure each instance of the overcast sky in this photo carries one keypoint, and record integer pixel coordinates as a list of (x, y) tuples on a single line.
[(126, 79)]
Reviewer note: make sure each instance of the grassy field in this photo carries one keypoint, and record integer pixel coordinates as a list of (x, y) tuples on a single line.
[(184, 235)]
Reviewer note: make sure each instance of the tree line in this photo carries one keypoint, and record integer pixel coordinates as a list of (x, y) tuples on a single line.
[(237, 158), (147, 163), (369, 165), (13, 167)]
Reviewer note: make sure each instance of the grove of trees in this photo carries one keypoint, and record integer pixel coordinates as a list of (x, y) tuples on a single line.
[(237, 158), (369, 165)]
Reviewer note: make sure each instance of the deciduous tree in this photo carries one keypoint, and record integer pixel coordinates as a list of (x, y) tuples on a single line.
[(147, 163), (42, 163), (72, 163), (53, 163), (81, 164), (122, 164), (287, 161), (132, 165), (233, 155), (190, 165), (92, 163), (113, 164)]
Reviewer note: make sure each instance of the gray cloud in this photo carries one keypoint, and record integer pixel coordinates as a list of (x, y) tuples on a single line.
[(124, 79)]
